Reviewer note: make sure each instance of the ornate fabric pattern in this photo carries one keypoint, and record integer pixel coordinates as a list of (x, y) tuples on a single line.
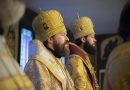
[(46, 71), (47, 24), (83, 26), (11, 77), (82, 72)]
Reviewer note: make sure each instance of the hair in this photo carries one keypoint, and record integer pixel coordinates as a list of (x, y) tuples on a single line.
[(78, 42), (45, 43), (124, 23)]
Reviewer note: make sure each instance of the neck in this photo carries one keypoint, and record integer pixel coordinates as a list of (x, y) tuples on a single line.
[(81, 46), (53, 52)]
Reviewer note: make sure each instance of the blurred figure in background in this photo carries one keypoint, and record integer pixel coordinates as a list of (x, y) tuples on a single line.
[(79, 63), (11, 39), (117, 75), (45, 68), (11, 77)]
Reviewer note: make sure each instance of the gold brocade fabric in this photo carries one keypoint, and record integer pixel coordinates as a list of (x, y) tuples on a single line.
[(46, 71), (47, 24), (83, 26), (117, 75), (81, 69), (11, 77)]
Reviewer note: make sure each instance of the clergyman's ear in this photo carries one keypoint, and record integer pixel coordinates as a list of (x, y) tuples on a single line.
[(50, 40), (82, 39)]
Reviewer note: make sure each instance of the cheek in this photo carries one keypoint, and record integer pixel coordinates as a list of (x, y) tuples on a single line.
[(91, 41), (59, 41), (62, 40)]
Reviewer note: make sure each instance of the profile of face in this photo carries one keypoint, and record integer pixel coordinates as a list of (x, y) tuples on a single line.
[(90, 44), (61, 44)]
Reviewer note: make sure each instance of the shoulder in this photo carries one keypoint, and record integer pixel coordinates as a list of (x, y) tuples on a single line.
[(119, 52), (75, 61), (75, 58), (119, 59)]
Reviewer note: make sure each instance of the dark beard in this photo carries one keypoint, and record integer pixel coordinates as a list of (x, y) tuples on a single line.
[(90, 49), (61, 50)]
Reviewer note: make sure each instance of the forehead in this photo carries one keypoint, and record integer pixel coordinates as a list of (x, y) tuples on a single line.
[(61, 33)]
